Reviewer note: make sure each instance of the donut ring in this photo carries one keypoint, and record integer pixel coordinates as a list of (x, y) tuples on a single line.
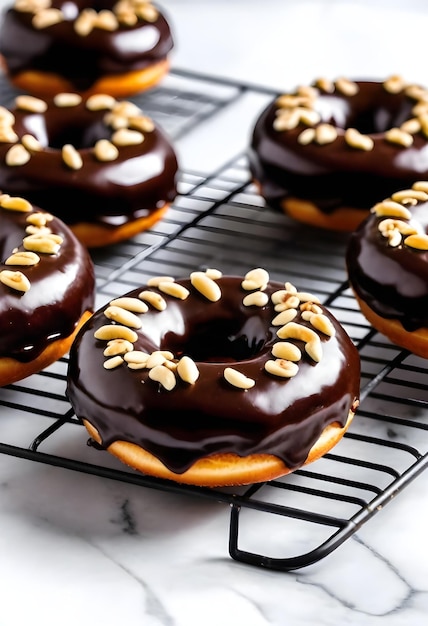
[(326, 153), (47, 289), (387, 264), (98, 164), (119, 48), (214, 380)]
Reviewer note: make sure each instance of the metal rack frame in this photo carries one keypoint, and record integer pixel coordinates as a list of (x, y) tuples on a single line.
[(320, 506)]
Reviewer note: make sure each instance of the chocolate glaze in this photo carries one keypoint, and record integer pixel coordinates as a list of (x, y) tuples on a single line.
[(393, 281), (141, 180), (62, 289), (83, 60), (335, 175), (279, 416)]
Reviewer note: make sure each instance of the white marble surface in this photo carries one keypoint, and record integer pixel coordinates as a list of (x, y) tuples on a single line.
[(78, 549)]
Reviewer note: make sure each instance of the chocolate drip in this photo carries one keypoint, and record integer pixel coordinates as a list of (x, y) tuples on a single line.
[(392, 280), (277, 416), (336, 174), (81, 59), (62, 289), (140, 180)]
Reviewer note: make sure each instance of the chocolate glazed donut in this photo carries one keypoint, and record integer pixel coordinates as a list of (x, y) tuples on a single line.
[(387, 261), (215, 380), (47, 288), (104, 46), (326, 153), (98, 164)]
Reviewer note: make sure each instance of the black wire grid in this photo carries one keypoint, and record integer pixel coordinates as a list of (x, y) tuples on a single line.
[(218, 220)]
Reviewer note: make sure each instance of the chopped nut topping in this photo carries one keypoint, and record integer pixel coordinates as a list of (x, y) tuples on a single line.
[(158, 357), (71, 157), (65, 100), (257, 278), (284, 317), (100, 101), (325, 85), (15, 203), (106, 20), (305, 334), (206, 286), (23, 258), (411, 126), (398, 136), (417, 241), (213, 273), (31, 6), (322, 323), (405, 195), (46, 18), (347, 87), (166, 369), (164, 376), (6, 117), (31, 143), (39, 219), (237, 379), (356, 140), (122, 316), (118, 346), (85, 22), (15, 280), (142, 123), (286, 350), (115, 331), (293, 330), (421, 185), (130, 304), (7, 135), (113, 362), (153, 298), (187, 370), (282, 368), (47, 243), (136, 357), (17, 155), (388, 208), (306, 137), (325, 134), (174, 289), (394, 84), (155, 280), (127, 137), (31, 104), (105, 151), (256, 298)]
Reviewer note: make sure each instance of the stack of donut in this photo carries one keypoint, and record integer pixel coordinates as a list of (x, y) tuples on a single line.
[(119, 47), (215, 380), (97, 163), (326, 153)]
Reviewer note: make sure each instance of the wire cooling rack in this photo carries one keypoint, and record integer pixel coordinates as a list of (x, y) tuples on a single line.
[(218, 220)]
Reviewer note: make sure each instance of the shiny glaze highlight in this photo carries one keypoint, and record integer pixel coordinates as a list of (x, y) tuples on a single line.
[(62, 289), (393, 281), (279, 416), (82, 60), (336, 175), (141, 179)]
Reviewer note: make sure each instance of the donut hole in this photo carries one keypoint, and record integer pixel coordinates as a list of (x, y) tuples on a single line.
[(55, 132), (219, 341), (368, 117)]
